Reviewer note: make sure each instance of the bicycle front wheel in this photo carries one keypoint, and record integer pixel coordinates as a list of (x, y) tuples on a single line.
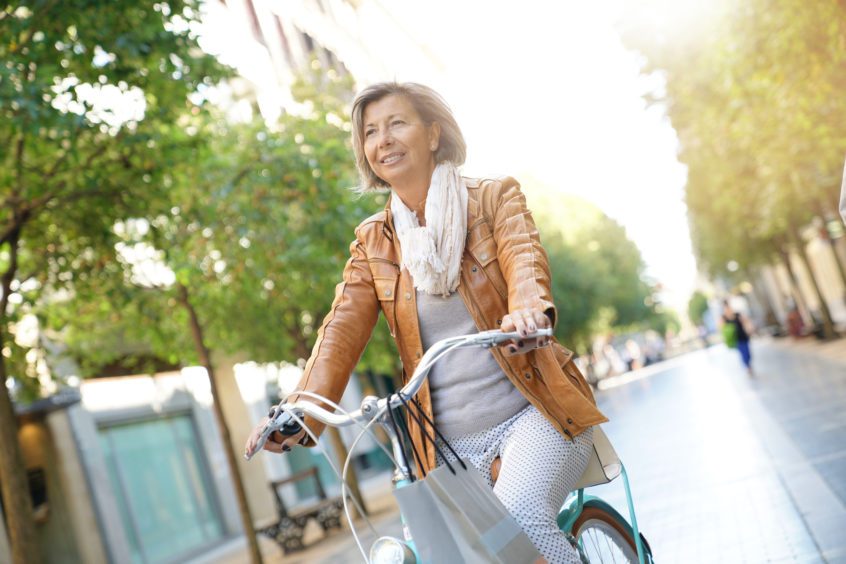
[(603, 537)]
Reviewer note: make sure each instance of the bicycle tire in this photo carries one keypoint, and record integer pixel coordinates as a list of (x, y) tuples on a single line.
[(603, 537)]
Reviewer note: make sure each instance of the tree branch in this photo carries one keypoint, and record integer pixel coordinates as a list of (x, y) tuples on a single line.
[(42, 201), (14, 229)]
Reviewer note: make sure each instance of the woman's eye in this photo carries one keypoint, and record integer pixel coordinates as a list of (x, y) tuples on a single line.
[(369, 132), (397, 122)]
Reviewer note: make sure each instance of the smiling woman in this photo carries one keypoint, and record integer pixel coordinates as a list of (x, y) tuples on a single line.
[(448, 256), (400, 148)]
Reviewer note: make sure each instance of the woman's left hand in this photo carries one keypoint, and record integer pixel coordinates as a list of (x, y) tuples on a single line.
[(524, 322)]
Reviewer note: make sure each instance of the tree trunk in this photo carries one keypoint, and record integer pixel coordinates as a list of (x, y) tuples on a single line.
[(762, 298), (341, 453), (825, 212), (795, 288), (13, 481), (828, 324), (303, 351), (840, 268), (205, 360)]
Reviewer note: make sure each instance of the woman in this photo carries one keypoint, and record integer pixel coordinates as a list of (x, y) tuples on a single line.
[(742, 332), (449, 256)]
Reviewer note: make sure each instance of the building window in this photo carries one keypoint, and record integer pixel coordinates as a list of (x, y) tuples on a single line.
[(162, 487)]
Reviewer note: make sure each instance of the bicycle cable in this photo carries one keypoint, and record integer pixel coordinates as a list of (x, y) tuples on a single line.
[(337, 407), (341, 474), (344, 486)]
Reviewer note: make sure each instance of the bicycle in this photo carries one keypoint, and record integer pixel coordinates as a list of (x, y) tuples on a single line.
[(599, 532)]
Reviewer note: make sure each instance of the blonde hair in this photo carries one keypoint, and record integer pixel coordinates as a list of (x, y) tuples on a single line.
[(431, 108)]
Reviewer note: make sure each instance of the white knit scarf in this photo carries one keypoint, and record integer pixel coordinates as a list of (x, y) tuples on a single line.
[(432, 254)]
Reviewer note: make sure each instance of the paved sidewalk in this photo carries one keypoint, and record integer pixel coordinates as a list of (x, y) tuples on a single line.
[(833, 350)]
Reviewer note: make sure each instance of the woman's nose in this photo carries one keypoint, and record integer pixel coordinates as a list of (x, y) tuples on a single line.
[(385, 138)]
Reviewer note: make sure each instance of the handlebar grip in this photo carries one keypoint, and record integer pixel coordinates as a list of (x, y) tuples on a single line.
[(290, 428)]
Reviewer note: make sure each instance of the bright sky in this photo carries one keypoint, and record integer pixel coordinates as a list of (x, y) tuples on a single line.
[(545, 91)]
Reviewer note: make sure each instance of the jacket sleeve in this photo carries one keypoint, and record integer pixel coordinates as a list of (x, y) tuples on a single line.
[(344, 334), (523, 260)]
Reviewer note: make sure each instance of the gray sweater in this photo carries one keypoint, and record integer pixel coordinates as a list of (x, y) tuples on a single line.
[(470, 393)]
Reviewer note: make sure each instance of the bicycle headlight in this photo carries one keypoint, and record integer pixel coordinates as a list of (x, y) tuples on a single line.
[(388, 550)]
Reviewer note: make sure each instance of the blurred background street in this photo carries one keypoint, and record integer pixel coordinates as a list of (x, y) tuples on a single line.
[(176, 208)]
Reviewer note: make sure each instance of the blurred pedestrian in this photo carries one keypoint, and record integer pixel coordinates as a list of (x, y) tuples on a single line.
[(633, 355), (795, 324), (742, 330)]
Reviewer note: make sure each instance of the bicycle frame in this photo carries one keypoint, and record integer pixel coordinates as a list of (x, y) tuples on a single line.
[(374, 410), (574, 505)]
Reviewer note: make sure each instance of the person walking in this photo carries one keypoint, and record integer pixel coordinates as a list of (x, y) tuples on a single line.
[(447, 256), (741, 330)]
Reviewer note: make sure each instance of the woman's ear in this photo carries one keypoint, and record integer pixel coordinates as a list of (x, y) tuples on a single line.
[(434, 136)]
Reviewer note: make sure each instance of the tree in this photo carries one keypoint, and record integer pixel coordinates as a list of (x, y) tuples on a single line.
[(597, 271), (754, 97), (256, 225), (85, 97), (696, 308)]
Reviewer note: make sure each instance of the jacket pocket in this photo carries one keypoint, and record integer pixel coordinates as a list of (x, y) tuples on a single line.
[(385, 281), (484, 253), (564, 357), (386, 289)]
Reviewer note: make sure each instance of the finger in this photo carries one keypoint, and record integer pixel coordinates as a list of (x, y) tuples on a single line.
[(523, 322), (541, 319), (520, 346), (252, 440), (292, 441), (531, 323), (507, 324), (273, 447)]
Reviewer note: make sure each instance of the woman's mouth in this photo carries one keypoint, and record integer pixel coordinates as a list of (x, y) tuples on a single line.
[(392, 158)]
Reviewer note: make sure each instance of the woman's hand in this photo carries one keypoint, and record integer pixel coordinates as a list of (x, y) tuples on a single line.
[(524, 322), (276, 442)]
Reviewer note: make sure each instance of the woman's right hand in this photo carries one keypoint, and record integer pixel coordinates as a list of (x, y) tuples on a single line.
[(276, 442)]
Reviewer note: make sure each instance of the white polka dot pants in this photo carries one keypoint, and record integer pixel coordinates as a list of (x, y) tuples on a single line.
[(539, 468)]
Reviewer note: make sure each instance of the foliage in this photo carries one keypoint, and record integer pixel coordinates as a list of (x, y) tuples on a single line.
[(756, 99), (256, 227), (696, 307), (90, 106), (88, 96), (597, 271)]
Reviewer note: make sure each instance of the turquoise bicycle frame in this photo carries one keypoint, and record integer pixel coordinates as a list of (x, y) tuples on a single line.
[(576, 503)]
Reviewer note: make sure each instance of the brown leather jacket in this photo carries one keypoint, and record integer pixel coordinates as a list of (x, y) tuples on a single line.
[(504, 268)]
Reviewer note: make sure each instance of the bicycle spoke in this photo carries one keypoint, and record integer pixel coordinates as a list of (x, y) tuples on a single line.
[(602, 542)]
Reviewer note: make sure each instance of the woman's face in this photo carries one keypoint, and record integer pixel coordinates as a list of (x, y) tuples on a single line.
[(399, 147)]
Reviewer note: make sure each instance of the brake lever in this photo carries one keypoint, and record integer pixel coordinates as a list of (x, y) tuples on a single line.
[(281, 421)]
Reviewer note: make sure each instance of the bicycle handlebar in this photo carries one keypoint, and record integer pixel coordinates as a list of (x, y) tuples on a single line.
[(282, 421)]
